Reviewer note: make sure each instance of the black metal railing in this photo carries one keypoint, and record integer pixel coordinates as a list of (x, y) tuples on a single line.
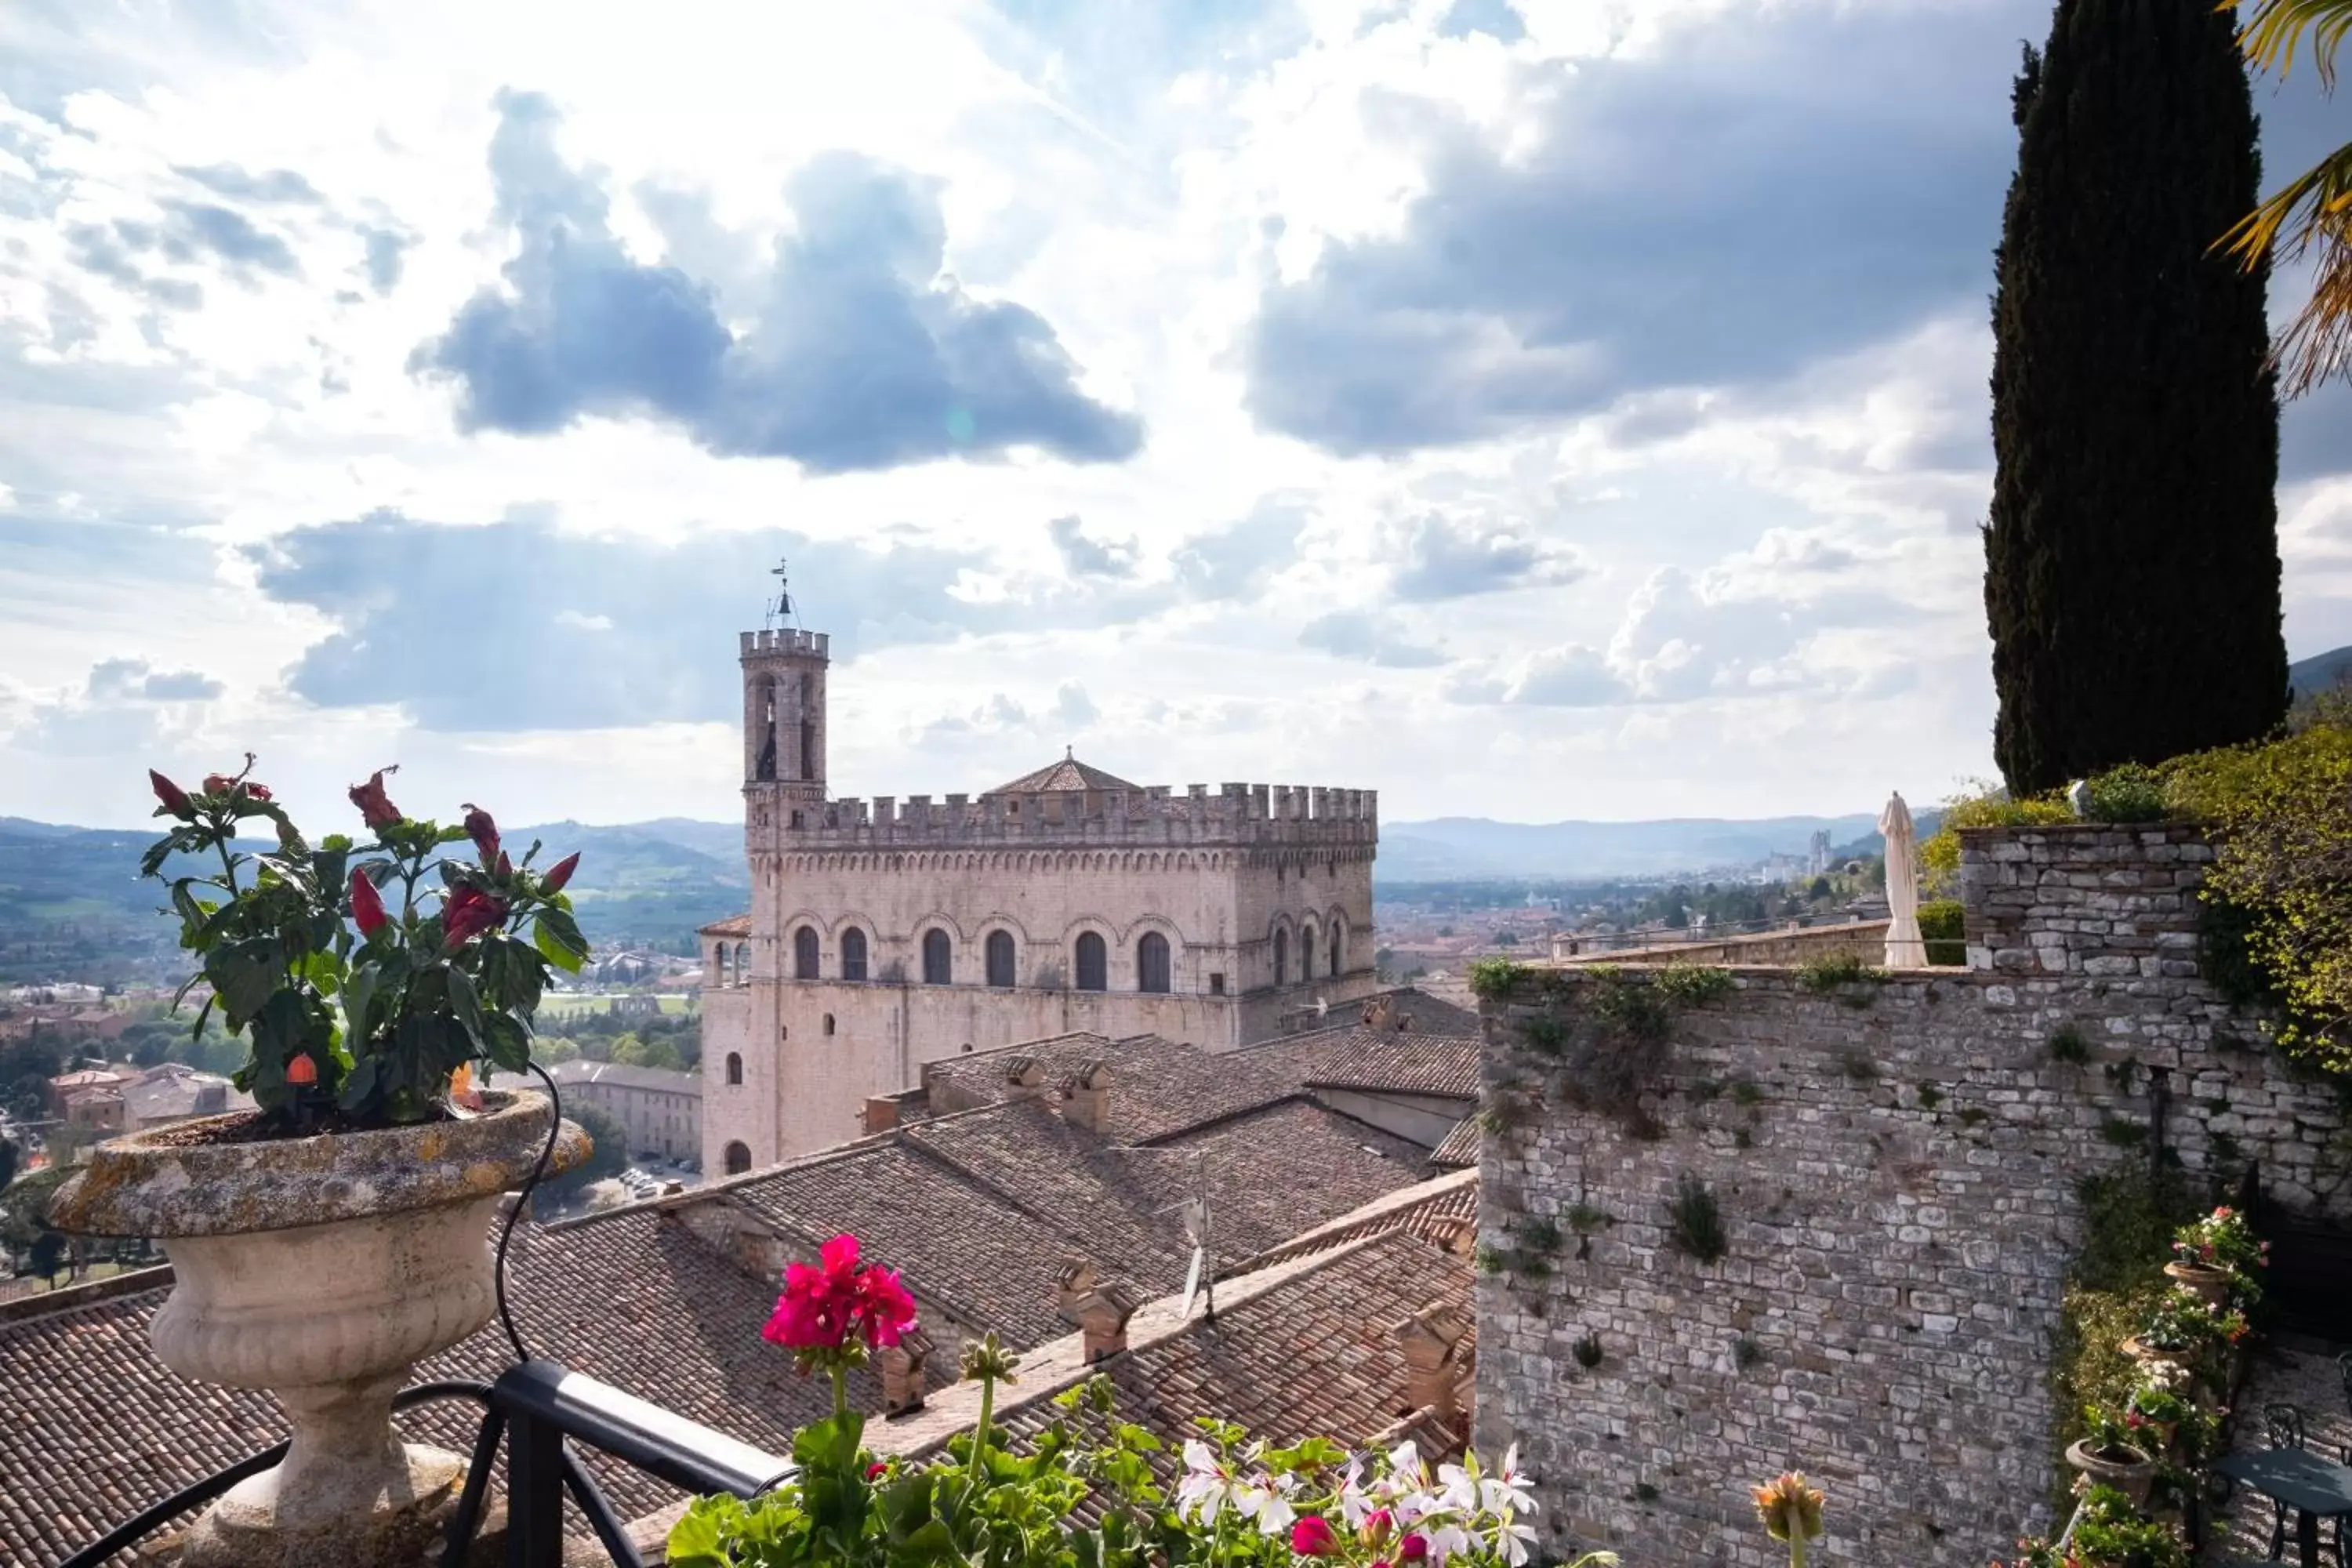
[(540, 1411)]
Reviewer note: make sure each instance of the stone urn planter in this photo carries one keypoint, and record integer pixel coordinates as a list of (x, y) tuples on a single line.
[(321, 1269), (2128, 1469), (2209, 1285), (2140, 1350)]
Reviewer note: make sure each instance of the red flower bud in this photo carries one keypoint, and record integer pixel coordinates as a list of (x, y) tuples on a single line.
[(483, 832), (259, 792), (1413, 1549), (1312, 1537), (561, 873), (175, 799), (367, 905), (217, 783), (469, 913), (375, 809), (506, 867), (301, 1071), (877, 1470)]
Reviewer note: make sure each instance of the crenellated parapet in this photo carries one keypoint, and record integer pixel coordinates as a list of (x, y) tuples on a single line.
[(787, 640), (1235, 814)]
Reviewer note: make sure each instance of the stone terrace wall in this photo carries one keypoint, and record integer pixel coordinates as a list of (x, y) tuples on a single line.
[(2108, 901), (1863, 939), (1896, 1169)]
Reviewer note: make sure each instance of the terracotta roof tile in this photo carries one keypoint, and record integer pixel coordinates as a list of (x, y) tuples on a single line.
[(1461, 1146), (1068, 773)]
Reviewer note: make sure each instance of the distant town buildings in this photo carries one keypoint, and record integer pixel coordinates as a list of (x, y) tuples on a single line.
[(884, 934), (659, 1110)]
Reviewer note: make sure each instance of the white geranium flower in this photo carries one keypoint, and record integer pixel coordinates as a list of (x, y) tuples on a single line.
[(1505, 1491), (1515, 1541), (1207, 1486), (1261, 1498)]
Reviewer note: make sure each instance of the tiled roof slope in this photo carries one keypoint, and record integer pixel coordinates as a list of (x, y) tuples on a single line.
[(1069, 773), (733, 925), (1316, 1354), (1276, 1172), (1376, 1060), (1156, 1086), (1460, 1148)]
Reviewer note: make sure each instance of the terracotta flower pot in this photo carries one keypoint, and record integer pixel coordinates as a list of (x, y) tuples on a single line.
[(2133, 1477), (2207, 1284), (321, 1269)]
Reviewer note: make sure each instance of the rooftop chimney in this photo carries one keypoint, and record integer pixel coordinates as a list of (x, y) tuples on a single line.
[(1431, 1341), (1085, 1098), (1025, 1072), (881, 1113), (903, 1373), (1099, 1306), (1380, 1012)]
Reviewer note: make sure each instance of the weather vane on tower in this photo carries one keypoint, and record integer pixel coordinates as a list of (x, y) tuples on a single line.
[(780, 608)]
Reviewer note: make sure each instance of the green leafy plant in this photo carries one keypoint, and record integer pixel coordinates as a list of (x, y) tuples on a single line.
[(362, 978), (2126, 794), (2284, 817), (1827, 973), (1930, 1096), (1745, 1093), (1746, 1353), (2121, 1133), (2223, 1239), (2179, 1322), (1858, 1068), (1693, 1221), (1943, 926), (2067, 1044), (2111, 1534), (1691, 984), (1587, 1351), (1546, 1035), (1982, 804), (1492, 979), (1584, 1218)]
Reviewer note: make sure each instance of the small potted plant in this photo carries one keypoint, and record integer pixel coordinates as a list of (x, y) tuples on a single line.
[(2218, 1256), (2155, 1409), (2108, 1533), (2181, 1328), (324, 1242), (2108, 1454)]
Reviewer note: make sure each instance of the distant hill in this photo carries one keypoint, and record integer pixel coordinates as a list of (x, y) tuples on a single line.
[(641, 884), (1451, 848), (2320, 672)]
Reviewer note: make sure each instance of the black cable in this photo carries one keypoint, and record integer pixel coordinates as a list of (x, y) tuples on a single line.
[(506, 1232)]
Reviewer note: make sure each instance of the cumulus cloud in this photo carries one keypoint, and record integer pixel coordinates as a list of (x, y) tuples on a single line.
[(132, 680), (1085, 556), (1767, 189), (1368, 636), (1451, 559), (1499, 19), (858, 354), (514, 625), (1234, 564), (123, 705)]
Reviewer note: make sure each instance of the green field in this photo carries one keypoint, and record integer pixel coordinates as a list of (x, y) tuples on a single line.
[(571, 1003)]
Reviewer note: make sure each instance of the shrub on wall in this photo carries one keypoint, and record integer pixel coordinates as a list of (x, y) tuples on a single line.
[(1942, 924)]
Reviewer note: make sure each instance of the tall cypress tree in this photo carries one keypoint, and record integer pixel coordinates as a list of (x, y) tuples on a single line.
[(2132, 567)]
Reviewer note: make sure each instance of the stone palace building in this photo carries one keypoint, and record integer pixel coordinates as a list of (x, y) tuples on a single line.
[(886, 933)]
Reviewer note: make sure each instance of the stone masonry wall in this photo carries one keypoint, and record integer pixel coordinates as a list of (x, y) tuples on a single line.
[(1863, 939), (1895, 1168)]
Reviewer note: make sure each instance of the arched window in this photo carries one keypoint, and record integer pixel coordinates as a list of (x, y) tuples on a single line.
[(1306, 953), (1152, 962), (738, 1159), (734, 1067), (939, 958), (1335, 953), (804, 954), (1000, 958), (853, 954), (1094, 962), (1281, 957), (742, 963)]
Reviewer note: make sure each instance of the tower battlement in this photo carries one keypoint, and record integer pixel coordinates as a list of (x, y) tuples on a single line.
[(1304, 816), (786, 639)]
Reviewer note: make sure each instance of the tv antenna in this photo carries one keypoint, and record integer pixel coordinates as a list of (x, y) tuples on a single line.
[(780, 612)]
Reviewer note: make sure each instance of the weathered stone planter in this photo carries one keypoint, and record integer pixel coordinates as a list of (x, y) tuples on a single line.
[(2132, 1477), (2140, 1350), (2210, 1286), (321, 1269)]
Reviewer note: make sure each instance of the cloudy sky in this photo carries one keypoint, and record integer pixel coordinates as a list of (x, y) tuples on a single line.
[(1528, 408)]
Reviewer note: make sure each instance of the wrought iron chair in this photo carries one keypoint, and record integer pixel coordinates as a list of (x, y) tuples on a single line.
[(2283, 1425)]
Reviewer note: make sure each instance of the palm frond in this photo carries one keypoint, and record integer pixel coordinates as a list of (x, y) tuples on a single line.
[(2316, 346), (2275, 29)]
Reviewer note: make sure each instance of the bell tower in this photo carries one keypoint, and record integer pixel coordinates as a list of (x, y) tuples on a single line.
[(783, 712)]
